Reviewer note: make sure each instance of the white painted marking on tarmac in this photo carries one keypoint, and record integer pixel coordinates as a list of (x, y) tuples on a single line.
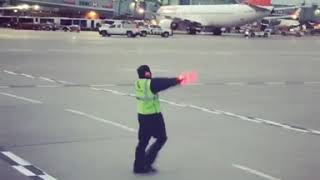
[(312, 83), (195, 107), (96, 89), (19, 50), (47, 177), (24, 171), (230, 114), (27, 75), (21, 166), (102, 85), (174, 103), (219, 112), (118, 93), (235, 83), (255, 172), (101, 120), (46, 79), (10, 72), (210, 111), (315, 131), (275, 83), (21, 98), (48, 86), (16, 158), (247, 119), (292, 128), (64, 82), (271, 122)]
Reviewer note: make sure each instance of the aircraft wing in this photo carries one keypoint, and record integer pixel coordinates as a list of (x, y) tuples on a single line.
[(280, 17), (293, 16)]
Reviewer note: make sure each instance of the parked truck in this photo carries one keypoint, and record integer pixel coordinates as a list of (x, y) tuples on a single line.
[(127, 29)]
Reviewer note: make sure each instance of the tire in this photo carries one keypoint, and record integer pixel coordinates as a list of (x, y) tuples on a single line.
[(265, 35), (143, 34), (129, 34), (104, 33), (283, 33), (193, 31), (165, 34), (217, 32), (252, 35), (174, 26), (298, 34)]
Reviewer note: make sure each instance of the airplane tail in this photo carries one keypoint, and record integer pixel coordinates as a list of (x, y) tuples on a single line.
[(259, 2)]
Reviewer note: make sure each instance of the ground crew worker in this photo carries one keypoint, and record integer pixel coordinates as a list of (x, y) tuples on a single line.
[(151, 122)]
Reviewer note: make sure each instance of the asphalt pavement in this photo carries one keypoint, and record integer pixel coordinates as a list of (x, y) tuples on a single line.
[(67, 109)]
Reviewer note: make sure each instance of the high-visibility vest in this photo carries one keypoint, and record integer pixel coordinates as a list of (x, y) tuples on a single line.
[(148, 103)]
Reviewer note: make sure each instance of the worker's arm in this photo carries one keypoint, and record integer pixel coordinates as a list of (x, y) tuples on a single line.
[(160, 84)]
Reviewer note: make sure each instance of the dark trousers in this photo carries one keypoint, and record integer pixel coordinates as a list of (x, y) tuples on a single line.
[(149, 126)]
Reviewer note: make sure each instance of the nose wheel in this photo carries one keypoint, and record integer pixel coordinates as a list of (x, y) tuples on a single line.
[(217, 32)]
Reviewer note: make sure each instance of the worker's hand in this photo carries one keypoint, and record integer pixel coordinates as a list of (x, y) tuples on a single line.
[(187, 78)]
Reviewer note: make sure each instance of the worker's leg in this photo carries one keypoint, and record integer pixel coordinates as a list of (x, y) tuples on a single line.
[(144, 137), (159, 132)]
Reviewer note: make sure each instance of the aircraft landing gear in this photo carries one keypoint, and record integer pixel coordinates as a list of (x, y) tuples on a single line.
[(174, 26), (192, 31), (217, 32)]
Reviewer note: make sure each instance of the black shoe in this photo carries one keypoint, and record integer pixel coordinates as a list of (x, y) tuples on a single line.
[(147, 170), (151, 169), (140, 171)]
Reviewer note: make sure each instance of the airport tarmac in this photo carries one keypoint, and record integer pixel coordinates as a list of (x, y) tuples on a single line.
[(68, 111)]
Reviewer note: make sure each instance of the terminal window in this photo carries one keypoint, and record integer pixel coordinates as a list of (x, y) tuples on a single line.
[(84, 3)]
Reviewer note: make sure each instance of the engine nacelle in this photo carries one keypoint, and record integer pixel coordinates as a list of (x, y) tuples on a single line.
[(174, 25)]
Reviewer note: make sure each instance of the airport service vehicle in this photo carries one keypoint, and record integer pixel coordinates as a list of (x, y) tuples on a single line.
[(292, 32), (257, 33), (157, 30), (71, 28), (215, 17), (143, 30), (315, 30), (130, 30)]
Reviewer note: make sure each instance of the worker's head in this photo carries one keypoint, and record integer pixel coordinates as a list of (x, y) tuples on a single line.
[(144, 72)]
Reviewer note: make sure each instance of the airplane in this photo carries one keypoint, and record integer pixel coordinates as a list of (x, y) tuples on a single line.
[(215, 17)]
